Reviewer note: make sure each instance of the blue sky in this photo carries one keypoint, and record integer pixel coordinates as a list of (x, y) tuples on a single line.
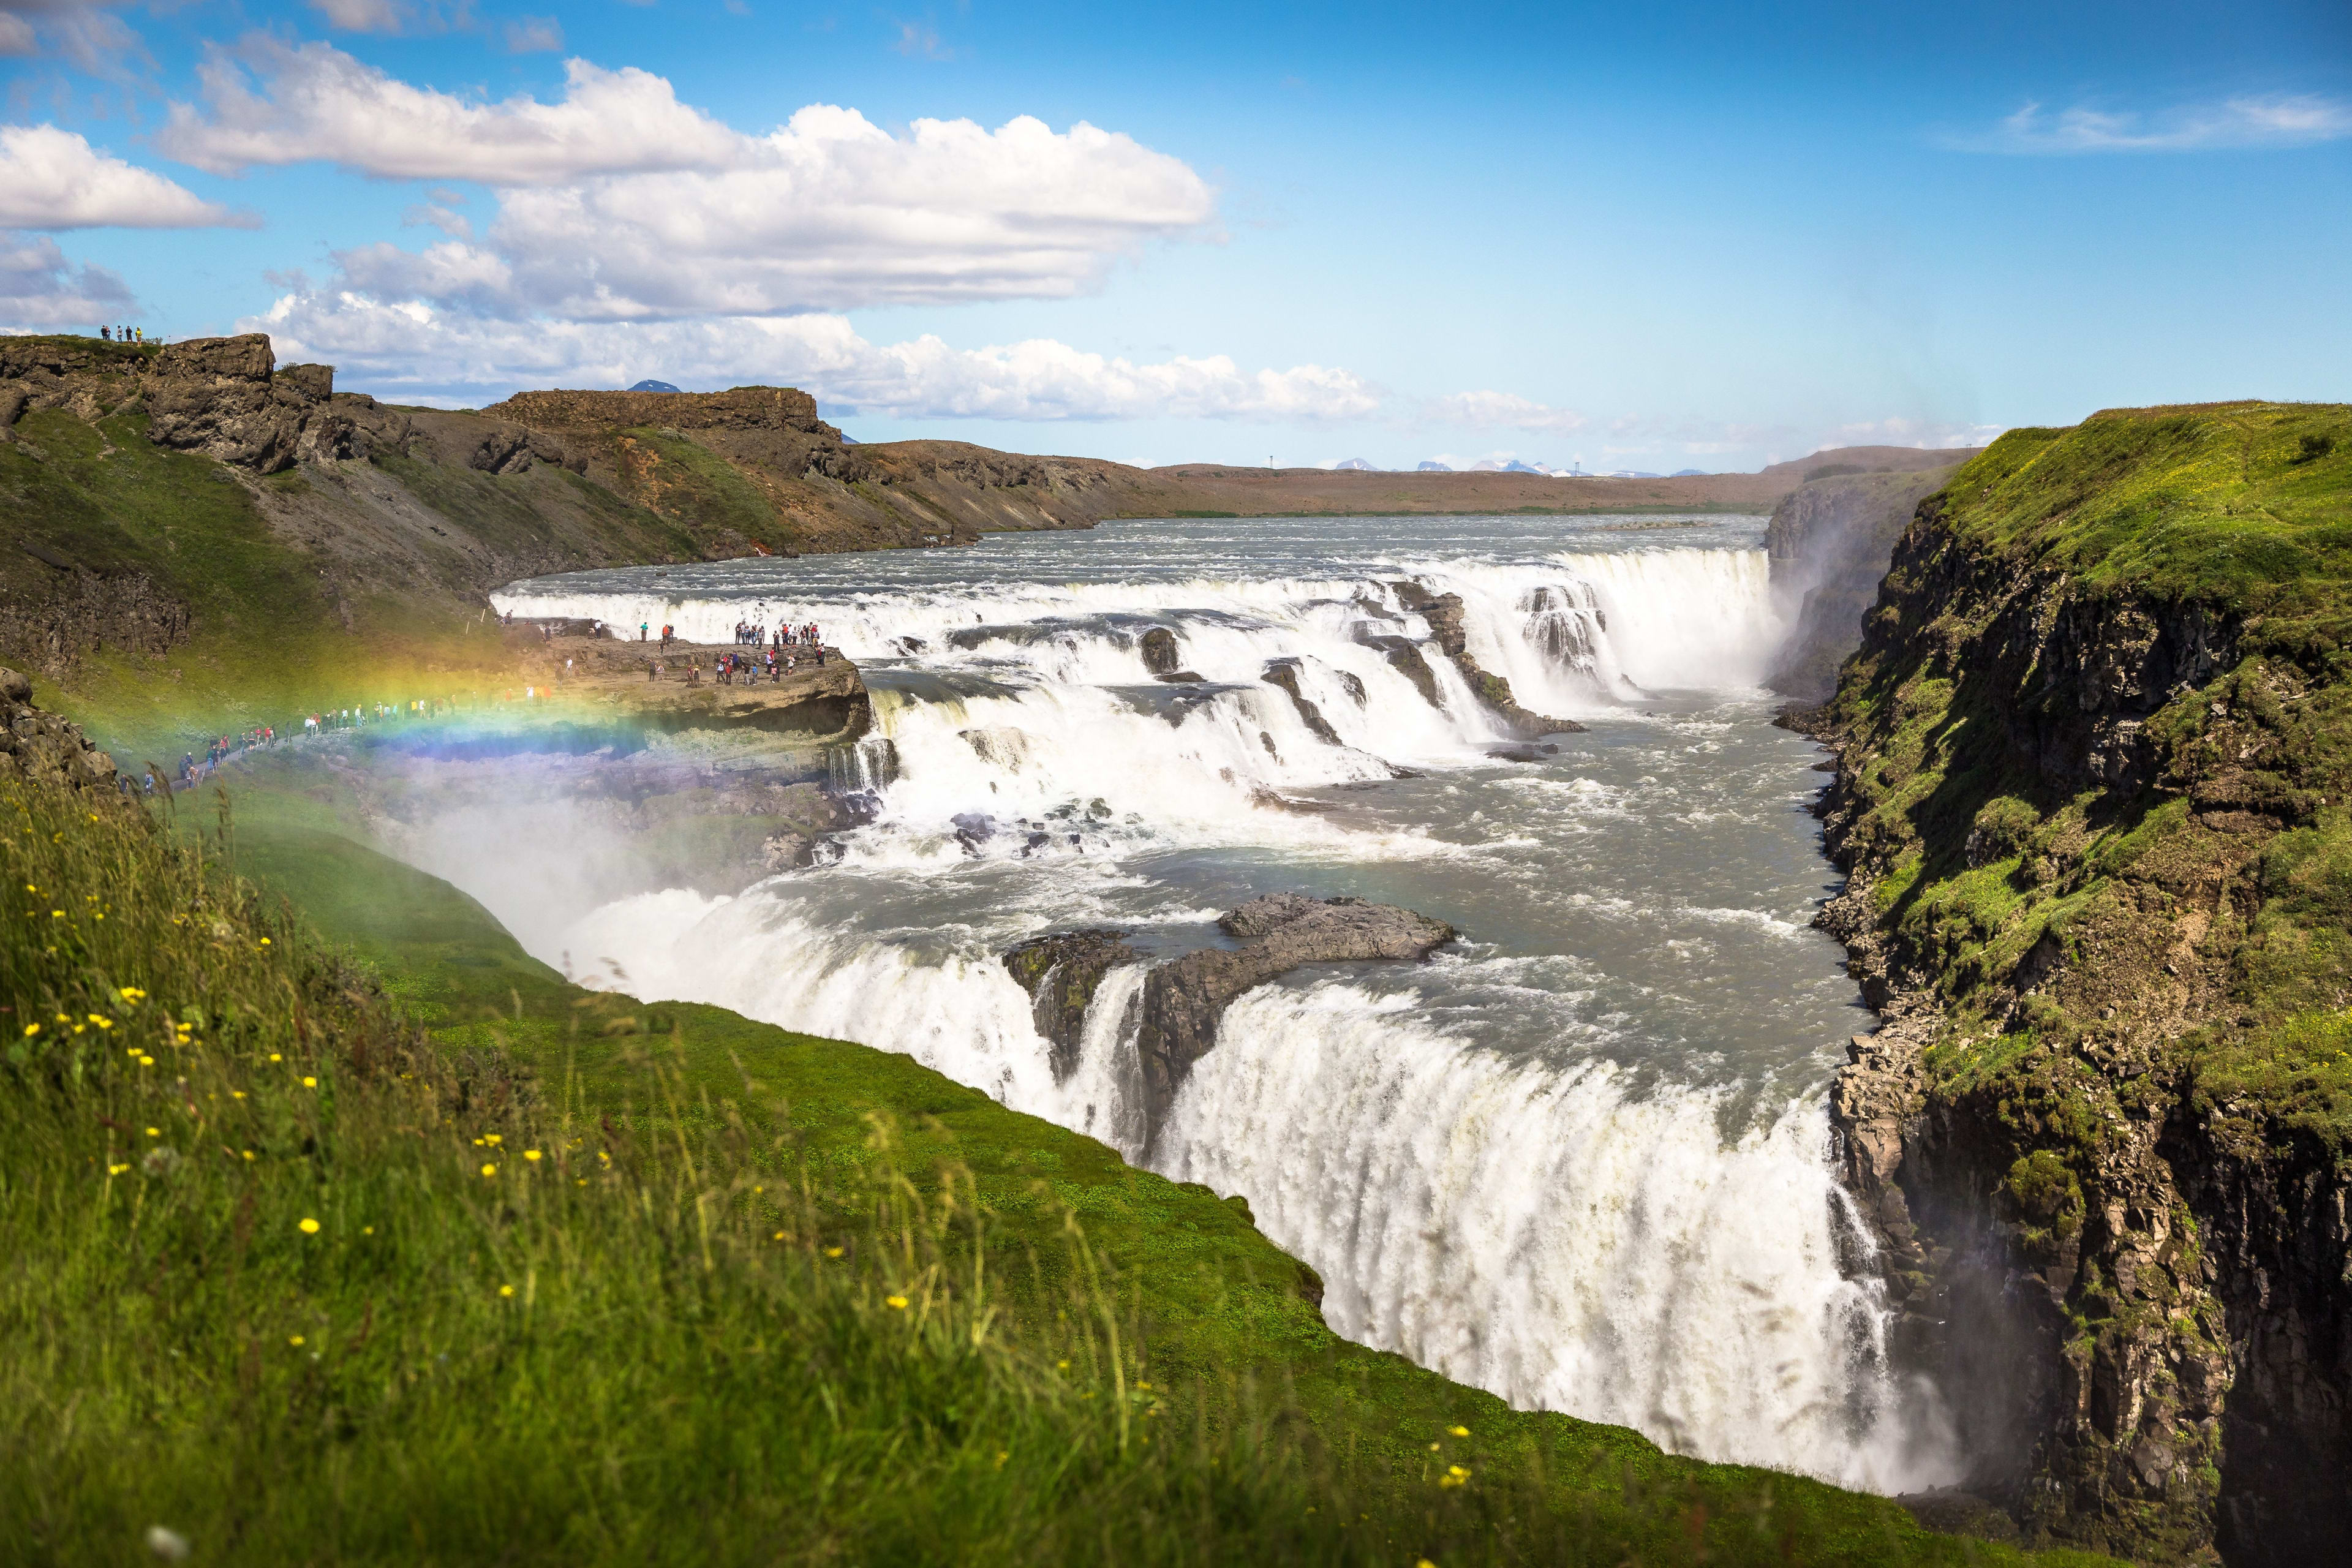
[(1697, 235)]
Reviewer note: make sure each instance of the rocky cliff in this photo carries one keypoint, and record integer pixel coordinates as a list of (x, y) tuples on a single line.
[(1830, 540), (2093, 758), (757, 467)]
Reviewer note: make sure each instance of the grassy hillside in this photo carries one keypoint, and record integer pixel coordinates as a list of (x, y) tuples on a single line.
[(165, 596), (422, 1255)]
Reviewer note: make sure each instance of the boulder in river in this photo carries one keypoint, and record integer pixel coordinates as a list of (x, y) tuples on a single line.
[(1060, 971), (1161, 656), (1184, 999)]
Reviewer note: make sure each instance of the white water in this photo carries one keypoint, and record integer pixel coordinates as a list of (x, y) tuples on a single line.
[(1579, 1159)]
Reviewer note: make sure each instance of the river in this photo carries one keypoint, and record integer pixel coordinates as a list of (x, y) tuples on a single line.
[(1578, 1157)]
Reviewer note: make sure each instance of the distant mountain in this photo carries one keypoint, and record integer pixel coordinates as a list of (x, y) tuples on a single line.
[(1436, 469), (1485, 465), (1515, 467), (848, 440), (1358, 464), (1632, 474), (1686, 473), (653, 386)]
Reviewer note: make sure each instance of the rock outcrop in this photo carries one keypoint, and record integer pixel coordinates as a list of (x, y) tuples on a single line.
[(226, 398), (38, 746), (1184, 999), (1061, 973), (1283, 673), (1443, 613)]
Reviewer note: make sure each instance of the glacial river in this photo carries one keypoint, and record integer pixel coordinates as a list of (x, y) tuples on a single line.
[(1578, 1158)]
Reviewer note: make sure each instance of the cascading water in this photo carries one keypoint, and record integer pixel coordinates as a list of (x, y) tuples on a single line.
[(1577, 1158)]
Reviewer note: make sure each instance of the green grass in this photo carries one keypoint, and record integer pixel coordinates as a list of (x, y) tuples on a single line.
[(773, 1298)]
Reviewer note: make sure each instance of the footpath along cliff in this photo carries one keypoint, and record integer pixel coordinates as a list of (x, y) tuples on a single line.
[(2093, 790)]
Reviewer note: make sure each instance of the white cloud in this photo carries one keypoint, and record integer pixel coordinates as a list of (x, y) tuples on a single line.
[(275, 103), (2276, 120), (621, 204), (404, 348), (1504, 409), (39, 288), (51, 178)]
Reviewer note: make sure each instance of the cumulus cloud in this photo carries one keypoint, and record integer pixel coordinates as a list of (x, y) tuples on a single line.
[(2273, 121), (409, 347), (51, 178), (40, 288), (1507, 410), (275, 103), (621, 204)]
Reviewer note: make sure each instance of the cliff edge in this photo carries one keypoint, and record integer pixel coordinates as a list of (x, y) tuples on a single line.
[(2094, 791)]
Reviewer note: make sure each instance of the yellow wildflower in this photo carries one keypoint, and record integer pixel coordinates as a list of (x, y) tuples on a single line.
[(367, 1230), (154, 1132), (247, 1153), (102, 1022), (310, 1083), (308, 1226), (491, 1139), (32, 1029), (506, 1289), (116, 1170), (294, 1339), (276, 1057), (530, 1154), (1459, 1431), (833, 1252), (898, 1303), (146, 1061), (236, 1094), (489, 1169)]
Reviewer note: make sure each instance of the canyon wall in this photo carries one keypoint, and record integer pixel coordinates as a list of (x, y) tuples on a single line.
[(2093, 756)]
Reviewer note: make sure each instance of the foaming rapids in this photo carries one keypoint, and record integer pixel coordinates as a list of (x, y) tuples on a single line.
[(1580, 1160)]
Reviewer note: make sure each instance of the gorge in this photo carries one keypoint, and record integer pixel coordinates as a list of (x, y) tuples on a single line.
[(2053, 1244)]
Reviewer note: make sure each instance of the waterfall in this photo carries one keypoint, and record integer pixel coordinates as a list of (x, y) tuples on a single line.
[(1595, 1215)]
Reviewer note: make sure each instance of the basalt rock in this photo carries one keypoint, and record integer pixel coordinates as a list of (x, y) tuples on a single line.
[(1061, 973), (1161, 655), (1184, 999), (1443, 612), (36, 744), (1283, 673), (1403, 655)]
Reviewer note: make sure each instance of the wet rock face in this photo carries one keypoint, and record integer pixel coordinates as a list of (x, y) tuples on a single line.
[(1161, 655), (1283, 673), (34, 744), (1443, 612), (1184, 999), (1061, 973)]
